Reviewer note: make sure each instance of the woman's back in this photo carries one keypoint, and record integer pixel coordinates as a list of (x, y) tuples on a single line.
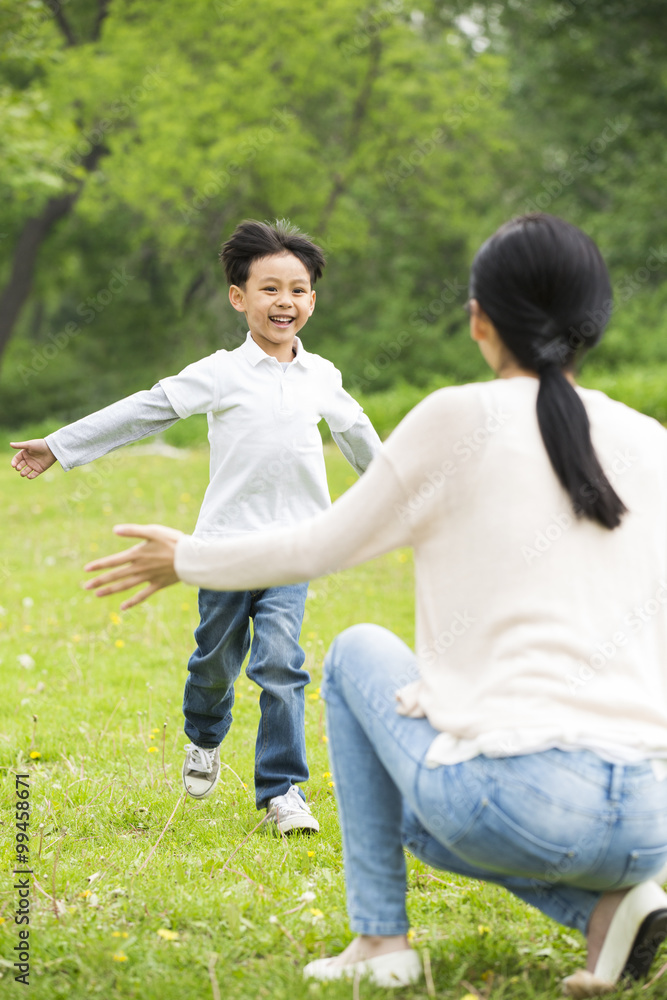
[(534, 627)]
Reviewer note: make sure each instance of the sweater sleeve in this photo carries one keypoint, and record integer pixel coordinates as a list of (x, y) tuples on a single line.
[(364, 523), (130, 419), (359, 443)]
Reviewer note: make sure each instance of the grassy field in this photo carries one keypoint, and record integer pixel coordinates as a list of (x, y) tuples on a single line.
[(138, 892)]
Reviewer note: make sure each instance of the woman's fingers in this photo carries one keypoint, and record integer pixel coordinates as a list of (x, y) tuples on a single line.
[(151, 532), (151, 562), (118, 559), (105, 586), (114, 575), (139, 597)]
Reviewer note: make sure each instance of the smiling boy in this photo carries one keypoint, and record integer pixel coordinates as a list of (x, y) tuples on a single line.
[(263, 400)]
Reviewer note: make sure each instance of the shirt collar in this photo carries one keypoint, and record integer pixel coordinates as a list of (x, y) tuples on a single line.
[(255, 354)]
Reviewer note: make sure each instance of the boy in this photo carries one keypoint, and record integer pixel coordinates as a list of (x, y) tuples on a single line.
[(264, 400)]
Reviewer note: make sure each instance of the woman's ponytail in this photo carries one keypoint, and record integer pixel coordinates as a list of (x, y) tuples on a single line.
[(545, 287), (565, 430)]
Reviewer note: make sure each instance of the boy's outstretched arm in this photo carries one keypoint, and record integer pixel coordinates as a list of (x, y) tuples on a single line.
[(130, 419), (34, 457)]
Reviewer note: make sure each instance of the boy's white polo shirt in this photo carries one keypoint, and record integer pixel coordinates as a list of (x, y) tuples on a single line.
[(267, 463)]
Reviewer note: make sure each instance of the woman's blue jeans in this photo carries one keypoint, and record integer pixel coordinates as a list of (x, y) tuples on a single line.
[(555, 828), (276, 662)]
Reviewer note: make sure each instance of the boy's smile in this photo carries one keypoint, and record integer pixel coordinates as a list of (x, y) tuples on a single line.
[(277, 300)]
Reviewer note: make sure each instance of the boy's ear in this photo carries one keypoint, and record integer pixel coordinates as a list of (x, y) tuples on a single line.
[(312, 302), (237, 298)]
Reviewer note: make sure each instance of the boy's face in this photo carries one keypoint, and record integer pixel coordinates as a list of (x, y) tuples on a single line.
[(277, 300)]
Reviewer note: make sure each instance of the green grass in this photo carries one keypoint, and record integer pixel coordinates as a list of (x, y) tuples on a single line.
[(137, 892)]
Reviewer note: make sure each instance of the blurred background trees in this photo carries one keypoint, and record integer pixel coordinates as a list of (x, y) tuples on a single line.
[(135, 135)]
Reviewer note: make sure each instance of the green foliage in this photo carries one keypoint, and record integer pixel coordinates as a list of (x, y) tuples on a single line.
[(365, 135), (400, 138)]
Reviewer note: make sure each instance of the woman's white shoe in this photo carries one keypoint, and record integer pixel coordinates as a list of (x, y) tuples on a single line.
[(636, 931), (397, 968)]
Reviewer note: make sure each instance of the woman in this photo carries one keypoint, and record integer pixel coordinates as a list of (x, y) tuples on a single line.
[(526, 742)]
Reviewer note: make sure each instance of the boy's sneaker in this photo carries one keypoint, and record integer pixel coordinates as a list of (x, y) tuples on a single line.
[(289, 812), (201, 770)]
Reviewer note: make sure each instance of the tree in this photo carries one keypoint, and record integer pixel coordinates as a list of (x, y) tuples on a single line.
[(381, 135)]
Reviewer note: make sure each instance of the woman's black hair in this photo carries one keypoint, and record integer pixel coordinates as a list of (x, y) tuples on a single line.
[(252, 240), (546, 289)]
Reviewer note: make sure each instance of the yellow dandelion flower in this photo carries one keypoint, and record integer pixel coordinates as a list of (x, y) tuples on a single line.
[(152, 749), (115, 618), (2, 920), (168, 935), (151, 737), (412, 934), (325, 739), (119, 643), (155, 730), (122, 934), (35, 754), (314, 697), (332, 784), (84, 894), (311, 854), (482, 929), (326, 774), (315, 912), (469, 996), (119, 956)]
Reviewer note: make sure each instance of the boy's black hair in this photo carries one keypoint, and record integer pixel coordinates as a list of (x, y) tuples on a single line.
[(252, 240)]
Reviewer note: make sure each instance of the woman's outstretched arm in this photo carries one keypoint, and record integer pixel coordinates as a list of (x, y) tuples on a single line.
[(365, 522)]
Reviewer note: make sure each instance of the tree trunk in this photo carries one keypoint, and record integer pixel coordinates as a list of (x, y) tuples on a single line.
[(35, 231)]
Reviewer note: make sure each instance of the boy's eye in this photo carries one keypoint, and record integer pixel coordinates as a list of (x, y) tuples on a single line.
[(269, 288)]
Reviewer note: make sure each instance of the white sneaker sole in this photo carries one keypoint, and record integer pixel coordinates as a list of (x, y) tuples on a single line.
[(291, 824)]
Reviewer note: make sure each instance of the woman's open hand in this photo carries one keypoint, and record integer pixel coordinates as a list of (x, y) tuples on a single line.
[(151, 562)]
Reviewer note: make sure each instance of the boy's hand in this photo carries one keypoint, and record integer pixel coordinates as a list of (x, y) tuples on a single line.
[(151, 563), (34, 457)]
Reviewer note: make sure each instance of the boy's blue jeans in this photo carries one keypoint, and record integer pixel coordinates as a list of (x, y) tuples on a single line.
[(555, 828), (276, 661)]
